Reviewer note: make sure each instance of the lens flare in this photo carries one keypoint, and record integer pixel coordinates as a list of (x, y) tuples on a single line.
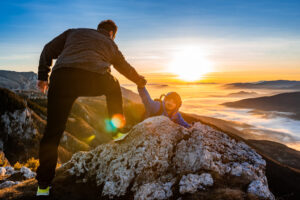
[(117, 121)]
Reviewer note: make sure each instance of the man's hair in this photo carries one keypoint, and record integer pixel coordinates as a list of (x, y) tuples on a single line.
[(108, 25)]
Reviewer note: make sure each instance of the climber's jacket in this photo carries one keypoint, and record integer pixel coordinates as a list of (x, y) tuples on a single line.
[(156, 107)]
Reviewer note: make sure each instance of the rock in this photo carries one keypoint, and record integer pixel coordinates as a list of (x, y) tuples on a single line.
[(154, 191), (9, 170), (19, 124), (27, 173), (192, 182), (260, 189), (7, 184), (159, 157), (2, 171), (17, 176)]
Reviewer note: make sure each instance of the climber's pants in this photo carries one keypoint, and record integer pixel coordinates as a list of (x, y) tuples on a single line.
[(66, 84)]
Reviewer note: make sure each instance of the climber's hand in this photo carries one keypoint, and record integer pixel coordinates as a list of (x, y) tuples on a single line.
[(42, 86)]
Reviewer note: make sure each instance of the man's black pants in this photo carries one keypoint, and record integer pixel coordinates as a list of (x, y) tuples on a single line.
[(66, 84)]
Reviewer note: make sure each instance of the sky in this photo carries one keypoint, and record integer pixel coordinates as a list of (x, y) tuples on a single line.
[(242, 40)]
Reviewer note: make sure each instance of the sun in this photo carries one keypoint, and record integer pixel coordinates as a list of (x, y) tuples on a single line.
[(190, 64)]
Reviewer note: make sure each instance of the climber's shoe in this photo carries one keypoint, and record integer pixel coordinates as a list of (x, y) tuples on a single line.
[(43, 191)]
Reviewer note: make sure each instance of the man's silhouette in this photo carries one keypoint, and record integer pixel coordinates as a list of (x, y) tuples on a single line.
[(82, 68)]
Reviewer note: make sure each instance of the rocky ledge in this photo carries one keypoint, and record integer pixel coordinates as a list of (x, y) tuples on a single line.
[(161, 160)]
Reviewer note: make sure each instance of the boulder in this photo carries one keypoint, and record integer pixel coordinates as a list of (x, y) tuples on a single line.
[(27, 173), (160, 160)]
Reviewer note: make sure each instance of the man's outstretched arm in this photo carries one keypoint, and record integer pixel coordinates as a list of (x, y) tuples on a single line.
[(51, 51), (122, 66)]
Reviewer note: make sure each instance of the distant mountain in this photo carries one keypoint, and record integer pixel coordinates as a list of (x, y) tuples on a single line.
[(284, 102), (278, 84), (18, 80), (238, 94)]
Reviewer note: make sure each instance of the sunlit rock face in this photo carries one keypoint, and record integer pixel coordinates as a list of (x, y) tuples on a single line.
[(19, 124), (161, 160)]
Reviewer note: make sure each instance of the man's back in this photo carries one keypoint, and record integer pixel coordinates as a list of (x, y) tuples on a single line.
[(87, 49)]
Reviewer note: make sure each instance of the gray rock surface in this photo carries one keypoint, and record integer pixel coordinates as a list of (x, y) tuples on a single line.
[(8, 184), (2, 171), (158, 154), (9, 170), (259, 188), (193, 182), (27, 173), (19, 123)]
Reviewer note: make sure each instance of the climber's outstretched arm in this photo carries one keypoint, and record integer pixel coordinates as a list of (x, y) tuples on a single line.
[(151, 106)]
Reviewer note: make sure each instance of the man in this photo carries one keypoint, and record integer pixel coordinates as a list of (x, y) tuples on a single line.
[(82, 68)]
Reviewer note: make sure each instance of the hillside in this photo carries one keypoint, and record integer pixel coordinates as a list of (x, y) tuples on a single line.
[(285, 102)]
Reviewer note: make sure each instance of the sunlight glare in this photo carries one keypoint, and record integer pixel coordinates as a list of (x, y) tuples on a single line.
[(190, 64)]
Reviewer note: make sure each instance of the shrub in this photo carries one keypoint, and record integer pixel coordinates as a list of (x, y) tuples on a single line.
[(31, 163), (17, 166)]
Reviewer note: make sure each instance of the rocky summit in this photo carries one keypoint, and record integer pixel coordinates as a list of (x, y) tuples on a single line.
[(162, 160)]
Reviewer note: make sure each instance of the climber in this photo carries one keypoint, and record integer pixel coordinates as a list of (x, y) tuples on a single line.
[(169, 106), (82, 68)]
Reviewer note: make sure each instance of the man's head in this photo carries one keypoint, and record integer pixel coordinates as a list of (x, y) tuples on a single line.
[(109, 26), (172, 101)]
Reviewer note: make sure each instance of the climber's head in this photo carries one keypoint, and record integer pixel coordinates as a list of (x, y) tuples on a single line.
[(172, 101)]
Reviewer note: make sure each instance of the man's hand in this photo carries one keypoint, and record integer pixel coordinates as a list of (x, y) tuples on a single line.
[(142, 82), (42, 86)]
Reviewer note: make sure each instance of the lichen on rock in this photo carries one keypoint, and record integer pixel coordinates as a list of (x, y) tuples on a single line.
[(159, 159)]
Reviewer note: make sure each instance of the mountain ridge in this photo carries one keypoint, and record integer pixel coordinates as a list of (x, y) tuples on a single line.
[(276, 84), (283, 102)]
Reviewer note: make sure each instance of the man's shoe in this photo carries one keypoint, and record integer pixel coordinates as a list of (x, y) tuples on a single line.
[(43, 191)]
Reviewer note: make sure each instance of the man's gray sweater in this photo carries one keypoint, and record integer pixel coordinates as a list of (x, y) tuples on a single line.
[(87, 49)]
